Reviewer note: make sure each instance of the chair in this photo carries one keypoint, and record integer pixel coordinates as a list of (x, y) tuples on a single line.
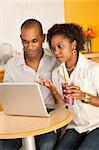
[(1, 80), (1, 75), (6, 52)]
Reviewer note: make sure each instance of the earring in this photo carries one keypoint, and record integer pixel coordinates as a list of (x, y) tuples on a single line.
[(74, 51)]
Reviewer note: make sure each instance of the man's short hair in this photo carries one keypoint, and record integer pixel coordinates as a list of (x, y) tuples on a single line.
[(30, 23)]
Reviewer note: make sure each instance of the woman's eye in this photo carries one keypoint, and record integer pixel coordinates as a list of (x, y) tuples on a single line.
[(60, 46)]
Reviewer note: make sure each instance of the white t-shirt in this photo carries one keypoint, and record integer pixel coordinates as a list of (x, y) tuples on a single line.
[(85, 75), (17, 71)]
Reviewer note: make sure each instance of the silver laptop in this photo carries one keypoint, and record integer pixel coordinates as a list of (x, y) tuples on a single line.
[(24, 99)]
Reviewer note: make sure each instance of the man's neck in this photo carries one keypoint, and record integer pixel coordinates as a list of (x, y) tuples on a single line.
[(33, 62)]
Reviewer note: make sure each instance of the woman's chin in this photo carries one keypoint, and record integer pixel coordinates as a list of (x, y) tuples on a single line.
[(60, 60)]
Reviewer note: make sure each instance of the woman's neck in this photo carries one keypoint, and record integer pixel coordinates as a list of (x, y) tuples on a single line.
[(71, 64)]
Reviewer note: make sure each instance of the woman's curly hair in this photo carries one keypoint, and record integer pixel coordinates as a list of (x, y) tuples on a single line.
[(69, 30)]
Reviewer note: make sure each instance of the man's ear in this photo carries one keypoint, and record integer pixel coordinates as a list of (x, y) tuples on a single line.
[(20, 36), (43, 37)]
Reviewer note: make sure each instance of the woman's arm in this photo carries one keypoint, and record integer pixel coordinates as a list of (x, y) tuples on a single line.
[(75, 92)]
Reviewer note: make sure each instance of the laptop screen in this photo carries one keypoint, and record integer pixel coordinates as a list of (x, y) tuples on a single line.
[(22, 99)]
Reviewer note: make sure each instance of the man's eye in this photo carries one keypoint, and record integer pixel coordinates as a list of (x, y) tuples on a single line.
[(34, 40), (24, 41)]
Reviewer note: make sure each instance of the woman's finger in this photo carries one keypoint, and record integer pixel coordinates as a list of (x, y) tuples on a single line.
[(73, 87)]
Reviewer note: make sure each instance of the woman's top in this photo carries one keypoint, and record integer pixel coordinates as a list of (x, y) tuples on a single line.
[(85, 75)]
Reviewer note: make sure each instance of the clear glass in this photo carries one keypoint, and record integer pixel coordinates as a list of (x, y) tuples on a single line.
[(66, 100)]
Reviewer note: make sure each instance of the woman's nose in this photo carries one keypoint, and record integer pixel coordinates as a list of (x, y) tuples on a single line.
[(57, 51)]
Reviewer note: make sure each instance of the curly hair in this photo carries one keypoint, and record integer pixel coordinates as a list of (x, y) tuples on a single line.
[(69, 30)]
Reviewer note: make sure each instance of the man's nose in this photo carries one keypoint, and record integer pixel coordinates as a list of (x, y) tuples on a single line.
[(30, 44)]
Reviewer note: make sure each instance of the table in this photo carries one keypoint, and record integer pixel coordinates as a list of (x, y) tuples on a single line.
[(27, 127), (92, 56)]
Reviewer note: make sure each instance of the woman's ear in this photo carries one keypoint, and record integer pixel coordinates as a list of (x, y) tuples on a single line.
[(74, 44)]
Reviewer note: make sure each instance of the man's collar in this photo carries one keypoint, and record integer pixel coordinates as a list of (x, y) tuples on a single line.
[(21, 60)]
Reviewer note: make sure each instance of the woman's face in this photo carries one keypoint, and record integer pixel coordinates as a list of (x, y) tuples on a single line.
[(62, 48)]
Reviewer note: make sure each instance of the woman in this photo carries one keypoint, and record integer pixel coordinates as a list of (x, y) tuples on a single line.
[(82, 77)]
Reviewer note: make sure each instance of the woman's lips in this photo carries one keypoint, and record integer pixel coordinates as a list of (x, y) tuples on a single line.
[(59, 57)]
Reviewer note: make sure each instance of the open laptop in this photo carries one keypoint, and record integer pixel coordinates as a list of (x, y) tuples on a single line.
[(24, 99)]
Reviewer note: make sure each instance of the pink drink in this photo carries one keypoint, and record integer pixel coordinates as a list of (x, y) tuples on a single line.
[(67, 100)]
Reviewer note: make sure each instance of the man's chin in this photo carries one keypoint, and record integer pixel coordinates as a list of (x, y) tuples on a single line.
[(31, 55)]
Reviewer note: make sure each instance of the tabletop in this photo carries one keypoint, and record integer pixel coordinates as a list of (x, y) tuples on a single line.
[(22, 126)]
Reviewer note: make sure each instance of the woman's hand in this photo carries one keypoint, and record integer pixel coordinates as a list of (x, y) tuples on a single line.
[(74, 92), (47, 83)]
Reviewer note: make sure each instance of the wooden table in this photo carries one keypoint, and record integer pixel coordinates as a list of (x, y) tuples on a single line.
[(92, 56), (27, 127)]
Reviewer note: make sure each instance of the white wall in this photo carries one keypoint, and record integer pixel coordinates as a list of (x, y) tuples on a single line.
[(13, 14)]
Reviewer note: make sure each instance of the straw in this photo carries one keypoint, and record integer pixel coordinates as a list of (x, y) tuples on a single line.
[(64, 74)]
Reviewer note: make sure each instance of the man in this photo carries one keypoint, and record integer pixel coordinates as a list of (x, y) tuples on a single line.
[(33, 62)]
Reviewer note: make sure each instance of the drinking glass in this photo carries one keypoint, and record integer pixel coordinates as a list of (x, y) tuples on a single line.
[(66, 100)]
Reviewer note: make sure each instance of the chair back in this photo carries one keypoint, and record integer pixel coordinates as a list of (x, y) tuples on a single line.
[(1, 75)]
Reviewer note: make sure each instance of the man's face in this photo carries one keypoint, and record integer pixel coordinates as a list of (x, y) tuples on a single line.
[(32, 41)]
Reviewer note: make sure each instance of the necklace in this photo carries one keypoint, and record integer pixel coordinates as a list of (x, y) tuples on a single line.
[(71, 69)]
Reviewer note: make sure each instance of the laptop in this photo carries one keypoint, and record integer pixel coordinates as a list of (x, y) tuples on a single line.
[(25, 99)]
